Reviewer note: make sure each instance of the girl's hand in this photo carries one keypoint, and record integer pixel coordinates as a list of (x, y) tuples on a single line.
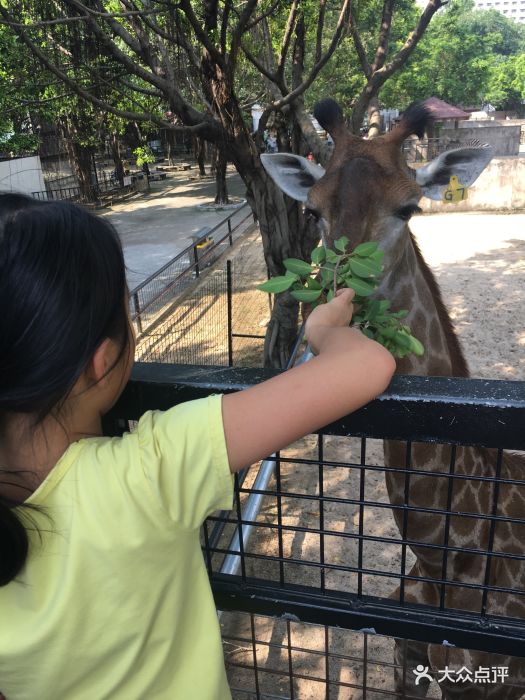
[(337, 313)]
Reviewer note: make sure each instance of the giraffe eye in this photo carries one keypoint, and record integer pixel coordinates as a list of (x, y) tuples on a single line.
[(405, 213), (312, 214)]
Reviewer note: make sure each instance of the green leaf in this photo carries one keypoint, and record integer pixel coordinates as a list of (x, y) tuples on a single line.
[(402, 339), (300, 267), (318, 255), (291, 274), (365, 249), (341, 243), (364, 289), (384, 305), (312, 283), (330, 295), (327, 276), (364, 267), (372, 309), (306, 294), (377, 256), (388, 332), (416, 346), (276, 284), (331, 255)]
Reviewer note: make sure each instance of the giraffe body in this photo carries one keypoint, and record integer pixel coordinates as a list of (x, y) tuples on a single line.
[(368, 193)]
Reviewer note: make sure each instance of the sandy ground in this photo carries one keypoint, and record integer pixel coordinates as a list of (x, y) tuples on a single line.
[(479, 262)]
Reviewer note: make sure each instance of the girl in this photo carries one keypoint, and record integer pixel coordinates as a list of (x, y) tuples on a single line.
[(103, 588)]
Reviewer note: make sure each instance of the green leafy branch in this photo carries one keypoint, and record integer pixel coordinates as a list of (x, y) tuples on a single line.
[(360, 270)]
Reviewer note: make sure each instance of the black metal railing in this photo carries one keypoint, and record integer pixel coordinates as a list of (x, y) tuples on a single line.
[(152, 298), (103, 188), (66, 193), (327, 584)]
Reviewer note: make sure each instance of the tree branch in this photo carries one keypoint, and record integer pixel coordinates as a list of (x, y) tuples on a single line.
[(205, 125), (239, 30), (79, 18), (268, 12), (290, 25), (132, 66), (260, 66), (342, 21), (360, 49), (412, 41), (377, 79), (224, 25), (384, 36), (202, 36), (320, 28)]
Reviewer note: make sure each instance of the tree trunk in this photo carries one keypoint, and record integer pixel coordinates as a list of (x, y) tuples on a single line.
[(284, 234), (199, 151), (221, 163), (117, 158), (281, 221), (81, 160), (374, 119), (132, 136), (170, 144)]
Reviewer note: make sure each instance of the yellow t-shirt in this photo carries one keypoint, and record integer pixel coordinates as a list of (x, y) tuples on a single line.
[(114, 603)]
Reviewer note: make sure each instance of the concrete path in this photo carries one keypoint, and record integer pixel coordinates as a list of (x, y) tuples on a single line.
[(154, 227)]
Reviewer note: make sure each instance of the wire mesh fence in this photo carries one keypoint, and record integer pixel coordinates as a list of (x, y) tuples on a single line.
[(386, 557), (151, 301), (218, 318), (195, 329)]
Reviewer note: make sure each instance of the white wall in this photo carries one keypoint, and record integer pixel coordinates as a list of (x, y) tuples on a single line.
[(22, 175), (501, 186)]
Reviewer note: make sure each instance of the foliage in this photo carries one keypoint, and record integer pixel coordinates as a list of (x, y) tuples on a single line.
[(143, 155), (462, 60), (19, 144), (506, 88), (359, 270)]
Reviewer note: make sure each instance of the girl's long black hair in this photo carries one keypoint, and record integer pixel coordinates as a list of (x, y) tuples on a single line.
[(62, 292)]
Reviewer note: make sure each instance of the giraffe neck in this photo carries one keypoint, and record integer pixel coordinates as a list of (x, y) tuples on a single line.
[(411, 285)]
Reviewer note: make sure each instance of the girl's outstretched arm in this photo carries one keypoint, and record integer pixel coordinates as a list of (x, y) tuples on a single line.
[(349, 370)]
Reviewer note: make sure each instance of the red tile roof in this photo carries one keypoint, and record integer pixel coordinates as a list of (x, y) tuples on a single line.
[(442, 110)]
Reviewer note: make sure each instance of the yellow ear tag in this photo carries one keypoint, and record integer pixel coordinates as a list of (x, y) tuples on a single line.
[(455, 192)]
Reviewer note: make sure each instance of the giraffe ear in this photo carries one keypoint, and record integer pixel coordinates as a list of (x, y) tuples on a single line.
[(294, 174), (466, 164)]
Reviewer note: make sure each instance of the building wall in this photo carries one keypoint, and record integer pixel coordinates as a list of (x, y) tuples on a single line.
[(513, 9), (22, 175), (503, 137), (501, 186)]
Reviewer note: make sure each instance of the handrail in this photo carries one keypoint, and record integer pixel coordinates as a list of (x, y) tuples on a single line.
[(190, 248)]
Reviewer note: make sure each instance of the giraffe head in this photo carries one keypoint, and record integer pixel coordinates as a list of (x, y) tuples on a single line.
[(367, 191)]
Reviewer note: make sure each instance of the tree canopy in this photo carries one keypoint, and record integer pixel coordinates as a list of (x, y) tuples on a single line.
[(197, 67)]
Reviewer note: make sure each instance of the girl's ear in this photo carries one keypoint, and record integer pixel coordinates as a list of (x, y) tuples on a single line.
[(101, 361)]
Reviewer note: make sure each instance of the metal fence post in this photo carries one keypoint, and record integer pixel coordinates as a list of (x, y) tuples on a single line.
[(136, 306), (229, 296), (196, 258), (230, 237)]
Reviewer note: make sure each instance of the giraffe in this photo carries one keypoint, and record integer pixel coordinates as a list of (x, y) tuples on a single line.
[(368, 192)]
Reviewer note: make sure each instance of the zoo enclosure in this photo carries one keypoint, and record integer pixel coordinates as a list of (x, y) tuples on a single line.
[(305, 610)]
